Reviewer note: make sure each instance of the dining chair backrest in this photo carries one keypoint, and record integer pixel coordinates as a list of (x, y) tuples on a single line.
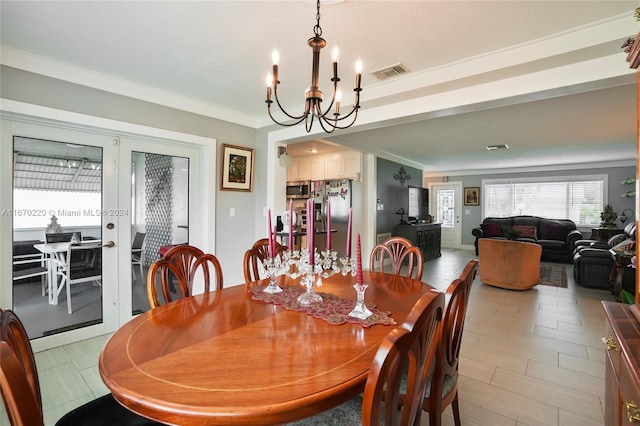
[(390, 396), (397, 250), (182, 267), (444, 372), (19, 373), (20, 387), (183, 256), (468, 274), (20, 406), (256, 255)]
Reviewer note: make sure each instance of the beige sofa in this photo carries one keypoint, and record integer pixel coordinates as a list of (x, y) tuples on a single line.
[(509, 264)]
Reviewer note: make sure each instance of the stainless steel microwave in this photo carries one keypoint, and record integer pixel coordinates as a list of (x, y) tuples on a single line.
[(300, 189)]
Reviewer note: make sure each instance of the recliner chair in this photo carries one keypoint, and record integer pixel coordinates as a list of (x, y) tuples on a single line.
[(592, 261)]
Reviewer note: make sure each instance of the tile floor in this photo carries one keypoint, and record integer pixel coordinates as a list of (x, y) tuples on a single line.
[(528, 358)]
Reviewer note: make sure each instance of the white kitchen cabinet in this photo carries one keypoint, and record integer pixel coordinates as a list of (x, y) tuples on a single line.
[(317, 168), (299, 169), (293, 171), (343, 165)]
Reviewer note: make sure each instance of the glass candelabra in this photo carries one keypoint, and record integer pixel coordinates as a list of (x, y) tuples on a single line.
[(360, 310), (324, 265), (273, 268)]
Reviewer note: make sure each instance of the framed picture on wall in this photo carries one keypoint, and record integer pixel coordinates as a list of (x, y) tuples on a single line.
[(237, 168), (472, 196)]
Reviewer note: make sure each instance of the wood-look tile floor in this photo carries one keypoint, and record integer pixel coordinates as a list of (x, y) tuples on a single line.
[(528, 358)]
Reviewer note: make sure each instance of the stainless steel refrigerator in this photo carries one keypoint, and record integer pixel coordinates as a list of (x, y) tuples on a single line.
[(338, 193)]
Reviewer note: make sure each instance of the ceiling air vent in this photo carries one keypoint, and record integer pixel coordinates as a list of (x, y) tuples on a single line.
[(388, 72), (494, 147)]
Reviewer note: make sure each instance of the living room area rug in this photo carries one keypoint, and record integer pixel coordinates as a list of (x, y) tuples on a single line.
[(553, 275)]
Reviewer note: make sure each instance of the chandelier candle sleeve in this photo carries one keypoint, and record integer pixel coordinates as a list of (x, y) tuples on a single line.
[(328, 225), (290, 224), (359, 279), (348, 252)]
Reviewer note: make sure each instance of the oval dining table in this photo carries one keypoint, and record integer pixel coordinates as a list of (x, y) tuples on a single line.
[(225, 358)]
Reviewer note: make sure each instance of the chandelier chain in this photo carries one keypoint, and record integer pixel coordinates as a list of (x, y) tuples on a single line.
[(317, 29)]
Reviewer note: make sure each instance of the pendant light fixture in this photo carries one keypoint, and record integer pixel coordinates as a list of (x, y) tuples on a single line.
[(331, 118)]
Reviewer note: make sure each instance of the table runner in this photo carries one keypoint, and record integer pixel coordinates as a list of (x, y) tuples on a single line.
[(333, 309)]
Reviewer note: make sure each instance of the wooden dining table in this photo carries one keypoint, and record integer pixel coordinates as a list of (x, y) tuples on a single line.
[(226, 358)]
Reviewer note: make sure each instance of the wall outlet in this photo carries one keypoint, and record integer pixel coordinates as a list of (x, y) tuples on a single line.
[(232, 212)]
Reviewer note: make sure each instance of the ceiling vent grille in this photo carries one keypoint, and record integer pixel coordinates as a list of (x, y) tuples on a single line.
[(494, 147), (388, 72)]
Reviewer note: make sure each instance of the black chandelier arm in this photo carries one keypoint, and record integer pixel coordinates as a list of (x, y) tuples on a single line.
[(300, 119), (335, 123), (293, 117)]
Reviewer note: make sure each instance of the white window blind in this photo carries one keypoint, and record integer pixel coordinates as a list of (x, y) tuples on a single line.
[(579, 198)]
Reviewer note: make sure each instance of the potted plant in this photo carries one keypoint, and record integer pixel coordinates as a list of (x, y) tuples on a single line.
[(608, 217)]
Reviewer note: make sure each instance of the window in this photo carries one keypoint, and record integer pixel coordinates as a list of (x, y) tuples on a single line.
[(35, 208), (579, 198)]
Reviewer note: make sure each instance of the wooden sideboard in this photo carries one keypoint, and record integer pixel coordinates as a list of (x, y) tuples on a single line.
[(622, 374), (424, 235)]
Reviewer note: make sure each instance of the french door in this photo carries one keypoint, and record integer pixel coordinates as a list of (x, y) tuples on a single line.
[(446, 202), (102, 188)]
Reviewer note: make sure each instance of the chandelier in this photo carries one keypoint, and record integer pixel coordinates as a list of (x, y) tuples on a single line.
[(329, 121)]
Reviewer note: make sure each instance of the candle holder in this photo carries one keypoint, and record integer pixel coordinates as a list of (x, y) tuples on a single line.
[(328, 263), (360, 310), (349, 266), (309, 269), (273, 268)]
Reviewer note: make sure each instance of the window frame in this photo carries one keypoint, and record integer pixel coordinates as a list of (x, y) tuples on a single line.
[(604, 178)]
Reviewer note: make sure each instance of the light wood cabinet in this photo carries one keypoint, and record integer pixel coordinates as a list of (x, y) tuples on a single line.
[(622, 375)]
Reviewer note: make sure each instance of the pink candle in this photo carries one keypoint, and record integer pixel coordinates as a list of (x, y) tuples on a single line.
[(291, 224), (358, 260), (273, 242), (310, 230), (270, 233), (349, 234), (328, 225)]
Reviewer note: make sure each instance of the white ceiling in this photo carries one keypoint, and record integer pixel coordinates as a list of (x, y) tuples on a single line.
[(547, 78)]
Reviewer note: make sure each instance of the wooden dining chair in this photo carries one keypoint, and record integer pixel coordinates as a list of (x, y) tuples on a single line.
[(255, 256), (21, 388), (408, 348), (395, 251), (443, 389), (177, 272)]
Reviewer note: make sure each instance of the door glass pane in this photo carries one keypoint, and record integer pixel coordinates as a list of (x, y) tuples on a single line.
[(57, 232), (160, 219), (445, 207)]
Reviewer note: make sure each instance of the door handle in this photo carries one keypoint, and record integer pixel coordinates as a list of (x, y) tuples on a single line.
[(108, 244)]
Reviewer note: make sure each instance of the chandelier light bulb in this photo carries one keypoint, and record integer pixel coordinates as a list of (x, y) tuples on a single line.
[(335, 54), (269, 80), (358, 66), (275, 57), (338, 95)]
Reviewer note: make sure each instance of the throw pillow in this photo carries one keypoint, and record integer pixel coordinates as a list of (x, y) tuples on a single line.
[(509, 232), (491, 229), (551, 231), (526, 231)]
